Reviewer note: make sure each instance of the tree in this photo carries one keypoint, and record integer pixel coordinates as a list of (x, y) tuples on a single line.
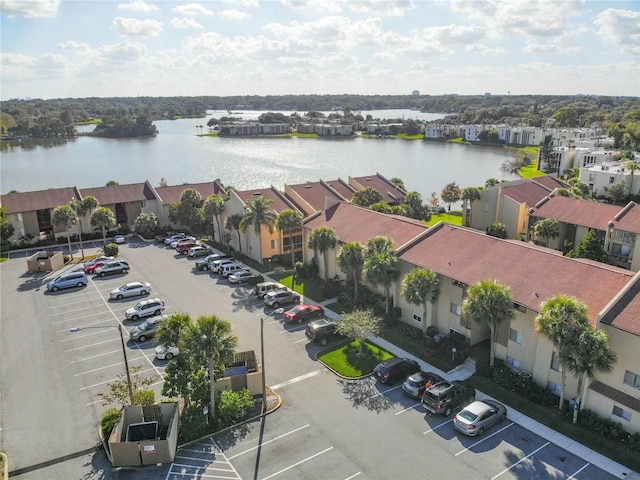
[(64, 215), (119, 389), (547, 228), (547, 156), (615, 193), (398, 182), (351, 258), (415, 208), (259, 213), (497, 230), (82, 207), (210, 343), (469, 195), (321, 240), (359, 325), (590, 354), (590, 247), (6, 229), (491, 182), (633, 167), (421, 287), (188, 211), (111, 183), (233, 223), (366, 197), (146, 224), (172, 330), (381, 264), (451, 193), (381, 207), (565, 117), (213, 208), (562, 319), (489, 304), (288, 221), (104, 218)]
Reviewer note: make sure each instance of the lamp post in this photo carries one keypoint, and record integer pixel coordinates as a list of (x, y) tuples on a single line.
[(264, 382), (124, 354)]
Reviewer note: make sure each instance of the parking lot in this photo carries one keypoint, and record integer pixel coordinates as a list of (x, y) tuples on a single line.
[(61, 350)]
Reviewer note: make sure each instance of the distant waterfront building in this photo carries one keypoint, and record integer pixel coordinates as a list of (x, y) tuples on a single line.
[(416, 93)]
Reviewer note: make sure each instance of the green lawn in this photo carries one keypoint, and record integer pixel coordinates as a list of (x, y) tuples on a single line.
[(309, 287), (454, 218), (530, 171), (345, 360)]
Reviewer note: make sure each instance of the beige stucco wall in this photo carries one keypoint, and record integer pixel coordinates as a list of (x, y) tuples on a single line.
[(510, 216), (483, 211)]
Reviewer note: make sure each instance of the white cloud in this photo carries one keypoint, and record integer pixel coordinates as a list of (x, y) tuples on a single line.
[(192, 10), (485, 50), (323, 6), (137, 6), (233, 14), (385, 56), (121, 53), (243, 3), (455, 34), (550, 49), (382, 8), (185, 23), (621, 28), (79, 47), (133, 28), (30, 8)]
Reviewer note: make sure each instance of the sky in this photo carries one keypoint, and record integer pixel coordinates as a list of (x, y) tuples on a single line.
[(97, 48)]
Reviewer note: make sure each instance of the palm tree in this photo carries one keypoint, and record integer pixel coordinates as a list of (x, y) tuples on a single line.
[(172, 330), (589, 355), (421, 287), (104, 218), (321, 240), (288, 221), (632, 166), (259, 213), (82, 207), (469, 195), (547, 228), (562, 319), (351, 258), (382, 269), (213, 207), (210, 342), (64, 215), (489, 304), (233, 223)]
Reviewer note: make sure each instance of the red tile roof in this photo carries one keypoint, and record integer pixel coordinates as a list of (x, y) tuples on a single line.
[(172, 193), (628, 219), (314, 193), (112, 194), (625, 311), (390, 193), (550, 182), (280, 203), (357, 224), (577, 212), (342, 187), (38, 200), (525, 191), (533, 273)]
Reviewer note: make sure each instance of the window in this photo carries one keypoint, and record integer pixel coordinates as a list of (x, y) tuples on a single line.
[(554, 387), (417, 318), (520, 308), (611, 180), (515, 336), (555, 362), (143, 204), (619, 412), (455, 309), (18, 217), (632, 379), (486, 207), (513, 362)]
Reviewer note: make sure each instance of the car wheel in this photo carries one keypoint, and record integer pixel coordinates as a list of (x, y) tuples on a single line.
[(168, 356), (319, 314), (481, 431), (156, 313), (119, 297), (299, 321), (276, 305), (143, 292), (142, 338), (323, 342), (80, 284), (124, 270), (503, 416), (447, 411), (102, 274), (134, 317), (54, 289)]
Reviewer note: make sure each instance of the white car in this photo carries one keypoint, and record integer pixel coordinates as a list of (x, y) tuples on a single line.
[(166, 353), (131, 289), (119, 239), (145, 308), (174, 238), (239, 277)]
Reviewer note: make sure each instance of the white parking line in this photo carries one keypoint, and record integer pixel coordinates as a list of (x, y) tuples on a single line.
[(576, 473), (298, 463), (112, 380), (96, 356), (297, 379), (353, 476), (108, 366), (83, 326), (387, 390), (295, 329), (305, 339), (66, 312), (268, 441), (412, 407), (92, 345), (520, 461), (483, 439), (75, 319), (437, 427)]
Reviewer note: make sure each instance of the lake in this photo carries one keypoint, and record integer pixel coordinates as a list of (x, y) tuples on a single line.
[(179, 155)]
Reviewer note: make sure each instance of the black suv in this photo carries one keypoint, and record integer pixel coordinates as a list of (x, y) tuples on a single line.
[(321, 330), (394, 369), (445, 397)]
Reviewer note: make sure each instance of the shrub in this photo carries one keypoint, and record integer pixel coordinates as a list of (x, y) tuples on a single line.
[(109, 421), (111, 249), (332, 288), (634, 442), (391, 318), (233, 407), (193, 423), (144, 397)]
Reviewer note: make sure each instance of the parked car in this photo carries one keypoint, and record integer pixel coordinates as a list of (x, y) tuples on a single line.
[(281, 297), (175, 243), (131, 289), (255, 279), (321, 331), (166, 352), (163, 236), (174, 238), (444, 397), (240, 276), (217, 264), (95, 260), (147, 329), (476, 417), (92, 268), (415, 384), (110, 268), (68, 280), (394, 369), (184, 247), (119, 239), (205, 263), (230, 268), (198, 251), (145, 308), (263, 288), (302, 312)]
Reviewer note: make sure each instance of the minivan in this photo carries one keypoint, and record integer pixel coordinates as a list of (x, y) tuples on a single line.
[(229, 268), (68, 280), (321, 331), (263, 288)]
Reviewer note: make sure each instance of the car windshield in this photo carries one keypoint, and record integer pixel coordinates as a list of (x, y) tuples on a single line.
[(413, 383), (382, 369), (467, 415), (140, 306), (144, 326)]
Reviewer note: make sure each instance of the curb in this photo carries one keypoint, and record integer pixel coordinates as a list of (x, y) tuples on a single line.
[(4, 474)]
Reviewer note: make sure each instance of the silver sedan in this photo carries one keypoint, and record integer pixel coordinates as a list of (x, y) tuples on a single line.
[(476, 417), (131, 289)]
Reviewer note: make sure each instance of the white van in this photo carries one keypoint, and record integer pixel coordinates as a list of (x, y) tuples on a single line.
[(265, 287), (229, 268), (68, 280)]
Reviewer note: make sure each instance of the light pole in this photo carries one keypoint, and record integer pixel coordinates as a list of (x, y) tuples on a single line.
[(75, 209), (264, 382), (124, 354)]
